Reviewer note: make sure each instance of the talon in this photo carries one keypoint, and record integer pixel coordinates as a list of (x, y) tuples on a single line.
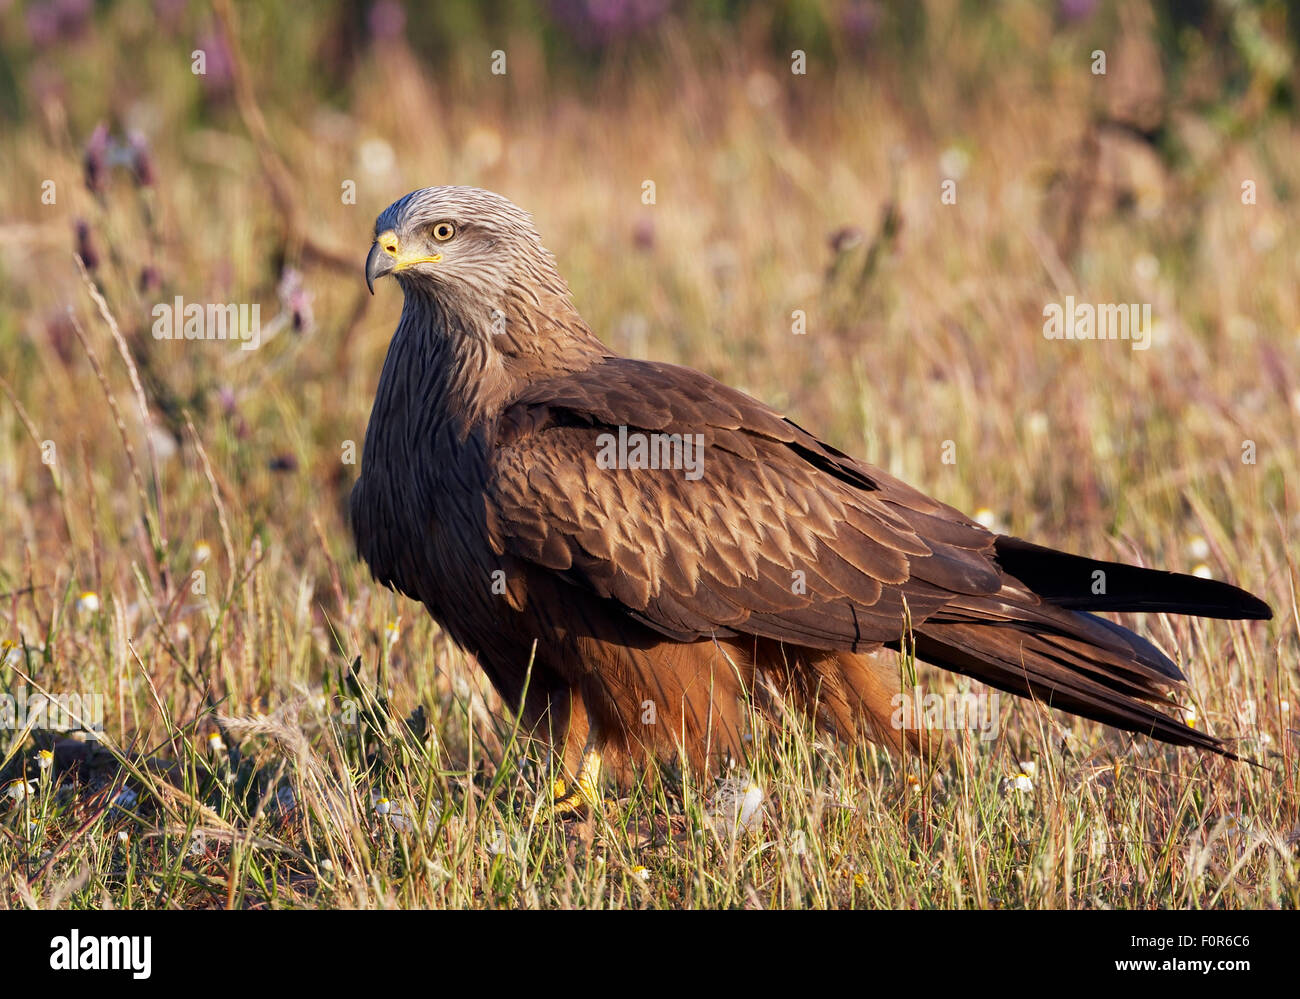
[(585, 792)]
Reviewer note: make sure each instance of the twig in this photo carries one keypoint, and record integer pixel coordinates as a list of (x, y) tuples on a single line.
[(278, 177), (141, 401), (154, 536)]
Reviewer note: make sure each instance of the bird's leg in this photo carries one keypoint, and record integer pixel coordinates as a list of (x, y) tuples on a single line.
[(585, 792)]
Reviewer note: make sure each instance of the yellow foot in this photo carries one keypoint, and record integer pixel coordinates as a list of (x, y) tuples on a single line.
[(585, 792)]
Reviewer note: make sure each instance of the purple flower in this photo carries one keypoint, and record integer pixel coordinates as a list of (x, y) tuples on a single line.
[(73, 16), (1075, 10), (42, 24), (230, 410), (226, 397), (598, 22), (169, 13), (296, 299), (387, 20), (57, 20), (86, 246), (62, 337), (219, 74), (858, 21), (643, 233), (96, 160), (141, 161)]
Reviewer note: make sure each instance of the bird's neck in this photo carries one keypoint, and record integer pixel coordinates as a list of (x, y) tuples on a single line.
[(449, 379)]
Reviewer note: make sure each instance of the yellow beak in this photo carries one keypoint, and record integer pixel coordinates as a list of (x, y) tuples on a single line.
[(387, 256)]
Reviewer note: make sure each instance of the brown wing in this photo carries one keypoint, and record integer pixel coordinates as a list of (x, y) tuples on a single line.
[(780, 535), (786, 538)]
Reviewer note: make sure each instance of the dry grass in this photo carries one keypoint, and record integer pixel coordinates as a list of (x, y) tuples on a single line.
[(916, 337)]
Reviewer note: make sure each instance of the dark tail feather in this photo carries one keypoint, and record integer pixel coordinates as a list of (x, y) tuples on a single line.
[(1071, 581), (1107, 683)]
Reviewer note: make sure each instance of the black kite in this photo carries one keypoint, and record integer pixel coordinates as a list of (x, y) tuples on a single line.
[(657, 599)]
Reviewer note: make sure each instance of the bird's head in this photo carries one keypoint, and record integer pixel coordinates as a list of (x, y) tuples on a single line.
[(458, 244), (475, 274)]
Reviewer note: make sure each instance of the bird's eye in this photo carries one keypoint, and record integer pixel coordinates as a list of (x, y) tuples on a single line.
[(443, 231)]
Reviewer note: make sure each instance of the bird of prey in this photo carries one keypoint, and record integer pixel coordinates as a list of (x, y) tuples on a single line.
[(634, 552)]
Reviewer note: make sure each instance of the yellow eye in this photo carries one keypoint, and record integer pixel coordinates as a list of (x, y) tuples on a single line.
[(443, 231)]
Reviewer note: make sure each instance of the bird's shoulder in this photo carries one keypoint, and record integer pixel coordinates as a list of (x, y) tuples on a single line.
[(652, 396)]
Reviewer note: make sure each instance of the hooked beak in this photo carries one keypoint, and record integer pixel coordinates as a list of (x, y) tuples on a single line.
[(387, 256), (378, 263)]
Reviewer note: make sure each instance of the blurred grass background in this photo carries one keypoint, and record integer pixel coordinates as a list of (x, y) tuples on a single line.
[(776, 192)]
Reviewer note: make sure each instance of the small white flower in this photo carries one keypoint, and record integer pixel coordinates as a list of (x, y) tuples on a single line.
[(953, 162), (737, 805), (123, 837), (1029, 768), (1189, 716), (216, 743), (1234, 824), (88, 603), (751, 805), (377, 156), (202, 552), (1020, 783), (483, 146), (1263, 237), (1198, 549), (383, 806), (20, 790), (1285, 706), (1146, 267), (640, 873), (1203, 571), (393, 631), (44, 759)]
